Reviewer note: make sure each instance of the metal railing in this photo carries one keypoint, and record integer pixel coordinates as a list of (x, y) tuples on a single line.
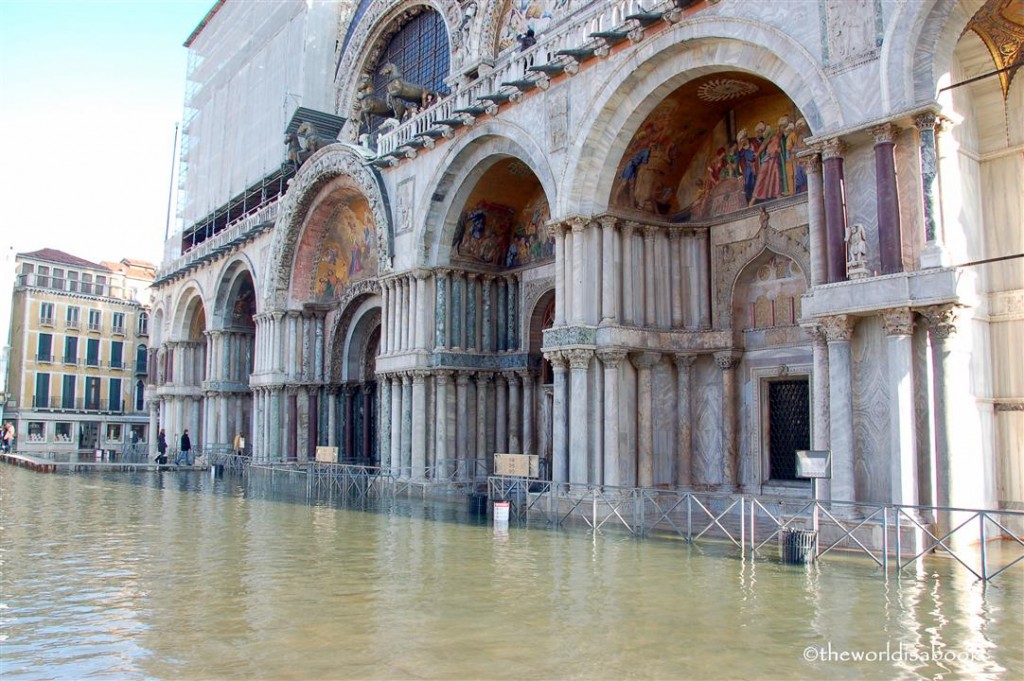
[(895, 537)]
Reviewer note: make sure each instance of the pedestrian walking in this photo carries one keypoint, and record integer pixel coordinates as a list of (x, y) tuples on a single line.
[(186, 450), (161, 447)]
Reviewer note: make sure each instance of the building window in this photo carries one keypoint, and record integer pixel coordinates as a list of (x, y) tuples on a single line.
[(141, 360), (113, 432), (71, 320), (86, 283), (140, 396), (115, 394), (101, 285), (46, 314), (36, 431), (73, 281), (789, 426), (43, 276), (71, 349), (117, 322), (116, 355), (57, 282), (138, 434), (64, 432), (44, 351), (92, 393), (420, 51), (95, 319), (67, 395), (143, 325), (42, 397), (92, 352)]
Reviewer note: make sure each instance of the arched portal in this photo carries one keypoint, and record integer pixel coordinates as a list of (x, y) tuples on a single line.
[(353, 396), (233, 343)]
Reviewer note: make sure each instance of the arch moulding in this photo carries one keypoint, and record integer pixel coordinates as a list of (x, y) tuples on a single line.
[(332, 162)]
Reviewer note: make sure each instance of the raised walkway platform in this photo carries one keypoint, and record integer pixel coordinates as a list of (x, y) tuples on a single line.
[(45, 465)]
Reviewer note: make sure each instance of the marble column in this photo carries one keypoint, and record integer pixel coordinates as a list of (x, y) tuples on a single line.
[(644, 362), (557, 228), (514, 412), (628, 304), (609, 270), (728, 361), (391, 329), (559, 418), (407, 426), (528, 411), (835, 213), (578, 226), (684, 418), (839, 333), (579, 435), (462, 423), (458, 286), (610, 359), (512, 313), (487, 313), (501, 310), (154, 428), (484, 423), (396, 425), (471, 297), (675, 258), (899, 328), (819, 388), (442, 414), (441, 310), (650, 271), (933, 254), (421, 309), (953, 484), (276, 452), (292, 428), (385, 317), (890, 239), (500, 413), (419, 424), (704, 286), (816, 230), (384, 421)]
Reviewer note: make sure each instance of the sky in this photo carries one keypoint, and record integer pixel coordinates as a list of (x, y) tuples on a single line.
[(90, 93)]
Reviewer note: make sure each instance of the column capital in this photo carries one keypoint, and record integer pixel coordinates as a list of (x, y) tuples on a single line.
[(832, 148), (684, 360), (628, 227), (728, 359), (885, 133), (487, 278), (611, 357), (512, 377), (578, 223), (406, 378), (941, 320), (442, 271), (650, 231), (366, 389), (484, 377), (526, 375), (817, 333), (675, 235), (608, 221), (644, 360), (421, 273), (579, 358), (926, 120), (557, 228), (443, 376), (419, 376), (811, 163), (462, 378), (898, 321), (838, 327), (556, 358)]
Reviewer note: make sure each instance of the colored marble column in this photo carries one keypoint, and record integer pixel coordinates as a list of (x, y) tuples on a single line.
[(835, 213), (579, 436), (644, 363), (419, 424), (890, 240), (684, 419), (628, 304), (839, 332), (816, 230), (578, 227), (609, 270), (559, 419), (728, 361), (559, 234), (441, 310)]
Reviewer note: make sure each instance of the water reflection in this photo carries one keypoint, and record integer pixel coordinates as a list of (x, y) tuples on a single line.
[(180, 576)]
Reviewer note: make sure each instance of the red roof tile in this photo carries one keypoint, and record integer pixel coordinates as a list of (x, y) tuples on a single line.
[(61, 258)]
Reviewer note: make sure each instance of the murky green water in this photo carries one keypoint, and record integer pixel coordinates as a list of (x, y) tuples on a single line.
[(181, 576)]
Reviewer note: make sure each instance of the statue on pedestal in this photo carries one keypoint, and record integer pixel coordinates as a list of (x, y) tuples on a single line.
[(856, 251)]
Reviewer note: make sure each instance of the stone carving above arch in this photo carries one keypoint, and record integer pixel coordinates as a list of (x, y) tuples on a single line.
[(369, 36), (350, 303), (328, 164), (732, 258)]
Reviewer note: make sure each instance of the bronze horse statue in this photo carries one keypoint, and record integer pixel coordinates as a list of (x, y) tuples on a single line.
[(368, 104), (401, 91)]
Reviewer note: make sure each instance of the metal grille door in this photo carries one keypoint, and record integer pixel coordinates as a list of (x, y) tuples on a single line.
[(789, 426)]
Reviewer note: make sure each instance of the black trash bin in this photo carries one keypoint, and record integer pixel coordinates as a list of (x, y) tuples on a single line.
[(798, 547)]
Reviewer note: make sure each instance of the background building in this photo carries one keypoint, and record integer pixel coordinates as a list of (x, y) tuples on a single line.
[(79, 336), (666, 245)]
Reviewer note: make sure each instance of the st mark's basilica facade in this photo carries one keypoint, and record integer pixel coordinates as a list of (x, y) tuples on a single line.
[(665, 245)]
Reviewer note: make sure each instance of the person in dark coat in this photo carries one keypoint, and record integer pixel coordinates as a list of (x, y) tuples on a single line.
[(186, 450), (161, 447)]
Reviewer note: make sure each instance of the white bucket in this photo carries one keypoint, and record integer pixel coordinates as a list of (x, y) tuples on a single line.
[(501, 511)]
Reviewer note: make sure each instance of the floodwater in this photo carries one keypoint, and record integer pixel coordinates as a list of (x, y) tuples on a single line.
[(184, 576)]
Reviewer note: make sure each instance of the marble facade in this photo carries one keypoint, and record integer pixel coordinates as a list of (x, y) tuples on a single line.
[(641, 352)]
